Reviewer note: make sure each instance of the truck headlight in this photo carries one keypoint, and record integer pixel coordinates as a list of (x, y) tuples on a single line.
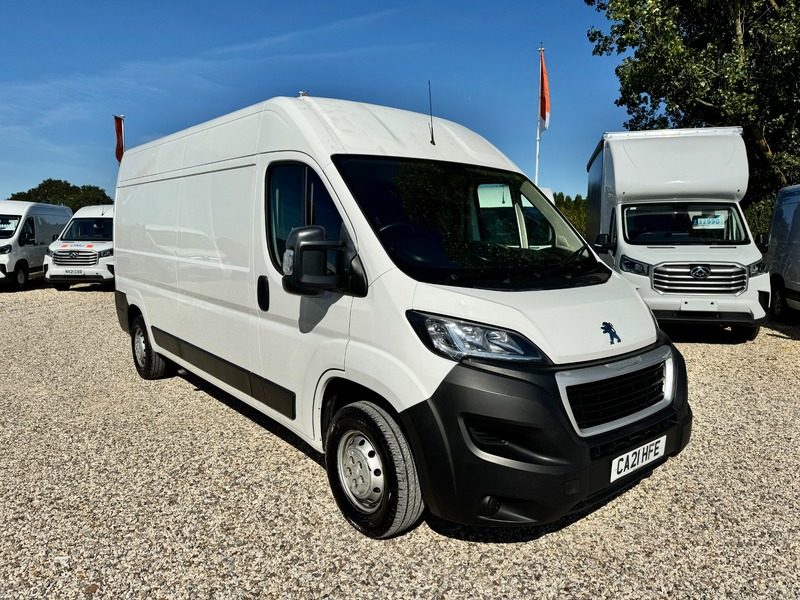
[(49, 252), (757, 268), (106, 253), (634, 266), (5, 249), (456, 339)]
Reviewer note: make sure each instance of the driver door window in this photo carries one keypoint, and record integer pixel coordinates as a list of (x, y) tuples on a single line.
[(296, 197)]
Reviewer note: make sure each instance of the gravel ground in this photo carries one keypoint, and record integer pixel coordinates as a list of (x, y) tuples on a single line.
[(116, 487)]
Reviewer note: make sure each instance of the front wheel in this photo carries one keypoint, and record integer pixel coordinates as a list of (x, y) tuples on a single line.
[(21, 276), (149, 363), (778, 307), (371, 471)]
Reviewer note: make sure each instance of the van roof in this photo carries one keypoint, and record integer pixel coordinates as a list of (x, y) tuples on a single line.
[(319, 127), (99, 210), (19, 207)]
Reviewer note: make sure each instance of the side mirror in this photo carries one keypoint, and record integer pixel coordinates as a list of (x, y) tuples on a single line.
[(762, 242), (305, 262), (601, 244)]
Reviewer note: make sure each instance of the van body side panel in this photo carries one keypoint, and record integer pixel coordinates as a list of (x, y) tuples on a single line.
[(784, 244), (214, 272), (145, 245)]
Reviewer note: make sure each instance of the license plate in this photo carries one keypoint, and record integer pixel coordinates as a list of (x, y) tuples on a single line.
[(73, 271), (636, 459)]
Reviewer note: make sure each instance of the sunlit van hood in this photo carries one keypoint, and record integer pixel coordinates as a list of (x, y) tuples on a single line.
[(567, 327)]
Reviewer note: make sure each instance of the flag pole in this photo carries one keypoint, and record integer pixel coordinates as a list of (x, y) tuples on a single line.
[(538, 116)]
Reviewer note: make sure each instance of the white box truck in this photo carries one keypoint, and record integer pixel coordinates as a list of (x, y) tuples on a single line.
[(783, 256), (26, 230), (84, 252), (410, 305), (663, 210)]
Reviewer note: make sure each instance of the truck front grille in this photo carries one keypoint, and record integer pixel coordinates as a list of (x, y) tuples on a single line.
[(599, 402), (74, 258), (700, 278)]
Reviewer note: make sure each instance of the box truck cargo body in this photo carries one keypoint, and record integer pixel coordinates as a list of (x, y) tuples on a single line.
[(84, 252), (412, 307), (663, 208), (26, 230)]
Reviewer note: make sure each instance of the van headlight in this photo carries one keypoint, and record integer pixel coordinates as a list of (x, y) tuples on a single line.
[(106, 253), (456, 339), (757, 268), (5, 249), (634, 266)]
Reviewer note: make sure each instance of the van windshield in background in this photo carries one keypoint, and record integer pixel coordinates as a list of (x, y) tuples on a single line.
[(89, 229), (704, 223), (8, 225), (465, 225)]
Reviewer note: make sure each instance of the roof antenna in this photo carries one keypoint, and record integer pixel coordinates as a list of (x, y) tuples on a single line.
[(430, 104)]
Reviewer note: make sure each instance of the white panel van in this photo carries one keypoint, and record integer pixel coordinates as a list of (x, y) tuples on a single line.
[(84, 252), (26, 230), (784, 251), (411, 305)]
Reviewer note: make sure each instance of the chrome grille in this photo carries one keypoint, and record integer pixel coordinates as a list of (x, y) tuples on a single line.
[(599, 402), (722, 278), (75, 258)]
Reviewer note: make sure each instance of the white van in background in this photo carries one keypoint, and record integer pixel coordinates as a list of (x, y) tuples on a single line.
[(84, 252), (415, 308), (663, 211), (784, 251), (26, 229)]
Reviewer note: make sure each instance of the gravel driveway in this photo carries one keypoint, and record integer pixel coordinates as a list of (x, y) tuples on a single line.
[(116, 487)]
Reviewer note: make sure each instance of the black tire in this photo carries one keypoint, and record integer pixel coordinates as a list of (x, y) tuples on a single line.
[(745, 333), (778, 306), (149, 364), (21, 276), (371, 471)]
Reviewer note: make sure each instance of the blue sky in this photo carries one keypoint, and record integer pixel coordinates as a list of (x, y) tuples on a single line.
[(67, 67)]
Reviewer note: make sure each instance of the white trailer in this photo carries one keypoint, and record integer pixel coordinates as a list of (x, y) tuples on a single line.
[(663, 210)]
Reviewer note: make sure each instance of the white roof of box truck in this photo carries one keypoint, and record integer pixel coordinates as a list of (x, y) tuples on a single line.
[(320, 127), (699, 163)]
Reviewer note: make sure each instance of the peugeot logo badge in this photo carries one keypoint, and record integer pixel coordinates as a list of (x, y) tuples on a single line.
[(700, 272)]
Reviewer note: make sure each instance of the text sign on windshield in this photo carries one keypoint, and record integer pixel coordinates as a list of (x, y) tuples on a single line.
[(708, 222)]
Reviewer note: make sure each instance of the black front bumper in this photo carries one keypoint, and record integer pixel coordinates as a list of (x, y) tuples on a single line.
[(496, 447)]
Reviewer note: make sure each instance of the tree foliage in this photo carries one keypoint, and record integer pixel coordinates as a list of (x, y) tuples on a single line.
[(573, 210), (711, 63), (56, 191)]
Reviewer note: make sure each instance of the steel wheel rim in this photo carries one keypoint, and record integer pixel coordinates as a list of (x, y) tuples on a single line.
[(139, 348), (360, 471)]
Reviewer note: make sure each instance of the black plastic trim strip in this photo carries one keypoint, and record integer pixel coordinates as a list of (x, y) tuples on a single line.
[(271, 394)]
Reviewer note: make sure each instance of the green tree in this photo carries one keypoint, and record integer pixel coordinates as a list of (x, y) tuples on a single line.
[(55, 191), (573, 210), (707, 63)]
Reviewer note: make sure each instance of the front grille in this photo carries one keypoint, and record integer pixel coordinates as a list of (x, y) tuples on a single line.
[(599, 402), (676, 278), (75, 258)]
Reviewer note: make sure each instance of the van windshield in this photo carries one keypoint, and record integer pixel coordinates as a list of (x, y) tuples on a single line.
[(703, 223), (8, 225), (87, 229), (468, 226)]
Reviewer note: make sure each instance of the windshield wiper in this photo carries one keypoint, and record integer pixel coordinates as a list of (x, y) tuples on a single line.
[(565, 264)]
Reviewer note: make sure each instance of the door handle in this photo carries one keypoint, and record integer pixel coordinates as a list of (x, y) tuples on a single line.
[(262, 292)]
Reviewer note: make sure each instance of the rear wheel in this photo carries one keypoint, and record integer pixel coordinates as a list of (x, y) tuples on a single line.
[(371, 471), (149, 364)]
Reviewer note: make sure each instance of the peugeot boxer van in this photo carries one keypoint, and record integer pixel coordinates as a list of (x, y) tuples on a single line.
[(26, 229), (84, 252), (397, 293), (783, 255)]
